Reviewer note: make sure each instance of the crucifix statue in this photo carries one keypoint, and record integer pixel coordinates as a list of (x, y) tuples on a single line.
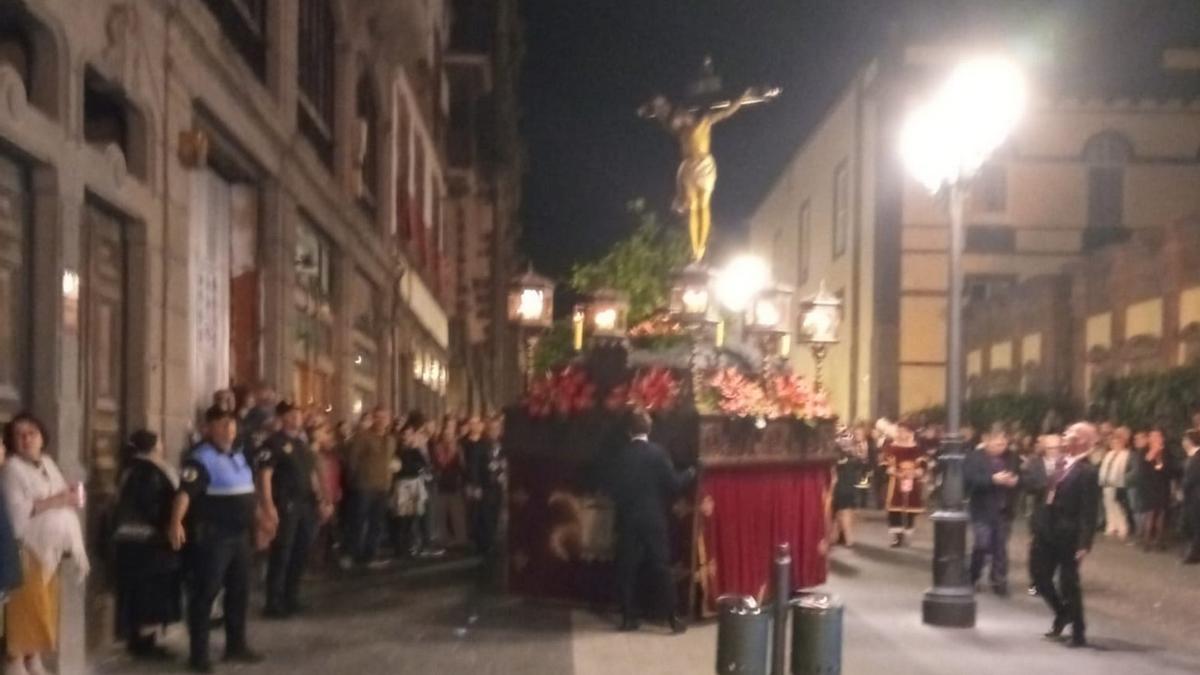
[(691, 123)]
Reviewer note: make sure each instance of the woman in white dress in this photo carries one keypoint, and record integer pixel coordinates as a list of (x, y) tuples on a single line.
[(44, 512), (1115, 468)]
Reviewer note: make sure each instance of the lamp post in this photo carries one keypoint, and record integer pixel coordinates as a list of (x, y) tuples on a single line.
[(821, 316), (531, 309), (943, 144)]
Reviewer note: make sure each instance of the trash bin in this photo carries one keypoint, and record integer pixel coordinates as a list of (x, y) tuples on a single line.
[(743, 635), (816, 634)]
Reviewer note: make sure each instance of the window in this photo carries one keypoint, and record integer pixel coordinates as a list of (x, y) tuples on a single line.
[(1106, 155), (803, 239), (244, 23), (29, 47), (316, 73), (982, 287), (313, 347), (110, 119), (403, 174), (366, 162), (989, 193), (15, 216), (841, 209), (990, 239)]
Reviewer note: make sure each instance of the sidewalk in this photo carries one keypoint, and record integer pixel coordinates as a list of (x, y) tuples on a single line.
[(882, 590), (1143, 610), (400, 621)]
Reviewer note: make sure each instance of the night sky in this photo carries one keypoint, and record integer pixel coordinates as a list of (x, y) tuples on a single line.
[(590, 63)]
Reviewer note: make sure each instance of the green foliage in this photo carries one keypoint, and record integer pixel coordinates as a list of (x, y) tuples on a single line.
[(1165, 398), (1029, 411), (554, 348), (642, 265)]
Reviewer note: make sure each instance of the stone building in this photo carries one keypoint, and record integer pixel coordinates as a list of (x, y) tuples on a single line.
[(1095, 155), (1129, 307), (199, 193)]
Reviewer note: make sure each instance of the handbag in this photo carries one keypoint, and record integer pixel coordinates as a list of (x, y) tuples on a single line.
[(408, 497)]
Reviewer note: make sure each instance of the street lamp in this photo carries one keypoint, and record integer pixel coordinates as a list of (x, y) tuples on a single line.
[(943, 144), (740, 281), (531, 309), (821, 317)]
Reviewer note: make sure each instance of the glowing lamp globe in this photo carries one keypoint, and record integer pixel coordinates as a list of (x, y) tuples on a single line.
[(691, 297), (531, 301), (606, 314), (821, 317), (770, 312)]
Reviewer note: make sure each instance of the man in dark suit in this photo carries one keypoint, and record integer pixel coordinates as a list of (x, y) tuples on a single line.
[(1072, 503), (991, 475), (1035, 481), (1191, 494), (643, 482)]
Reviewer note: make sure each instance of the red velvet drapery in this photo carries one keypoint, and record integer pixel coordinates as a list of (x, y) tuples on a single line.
[(753, 509)]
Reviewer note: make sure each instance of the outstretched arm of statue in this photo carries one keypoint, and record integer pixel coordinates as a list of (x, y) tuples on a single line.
[(658, 109), (750, 96)]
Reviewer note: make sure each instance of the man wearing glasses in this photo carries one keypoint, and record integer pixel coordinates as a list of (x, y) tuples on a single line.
[(1063, 533)]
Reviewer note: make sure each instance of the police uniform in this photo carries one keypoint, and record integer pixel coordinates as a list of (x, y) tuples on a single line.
[(220, 516), (292, 464)]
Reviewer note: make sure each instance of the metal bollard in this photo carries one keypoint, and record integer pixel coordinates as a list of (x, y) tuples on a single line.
[(743, 635), (816, 634), (781, 590)]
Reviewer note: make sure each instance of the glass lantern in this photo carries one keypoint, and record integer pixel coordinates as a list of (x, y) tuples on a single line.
[(531, 301), (691, 296), (771, 311), (822, 315), (606, 314)]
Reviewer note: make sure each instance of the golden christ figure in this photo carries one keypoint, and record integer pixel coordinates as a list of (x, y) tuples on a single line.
[(691, 125)]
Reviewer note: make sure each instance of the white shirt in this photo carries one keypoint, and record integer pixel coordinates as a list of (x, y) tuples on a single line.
[(51, 534), (1113, 468), (641, 437)]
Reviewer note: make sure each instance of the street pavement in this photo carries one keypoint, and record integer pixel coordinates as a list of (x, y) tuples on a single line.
[(1143, 611)]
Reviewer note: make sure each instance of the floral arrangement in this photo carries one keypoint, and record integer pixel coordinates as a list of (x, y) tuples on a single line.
[(728, 391), (565, 392), (654, 389), (779, 394), (734, 394)]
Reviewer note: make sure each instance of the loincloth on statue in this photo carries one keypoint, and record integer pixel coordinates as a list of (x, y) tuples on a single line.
[(694, 175)]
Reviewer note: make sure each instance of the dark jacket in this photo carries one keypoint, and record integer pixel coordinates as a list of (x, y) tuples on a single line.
[(989, 500), (642, 484), (1152, 482), (10, 560), (143, 511), (1072, 514), (1191, 491), (485, 467), (1034, 482)]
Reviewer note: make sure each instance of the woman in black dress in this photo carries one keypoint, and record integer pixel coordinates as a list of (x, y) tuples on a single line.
[(848, 481), (1152, 479), (147, 570)]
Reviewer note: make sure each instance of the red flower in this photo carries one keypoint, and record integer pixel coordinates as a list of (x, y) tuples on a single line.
[(565, 392), (654, 389)]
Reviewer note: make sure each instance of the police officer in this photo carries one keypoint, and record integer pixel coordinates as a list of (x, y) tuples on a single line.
[(642, 484), (216, 502), (291, 488)]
